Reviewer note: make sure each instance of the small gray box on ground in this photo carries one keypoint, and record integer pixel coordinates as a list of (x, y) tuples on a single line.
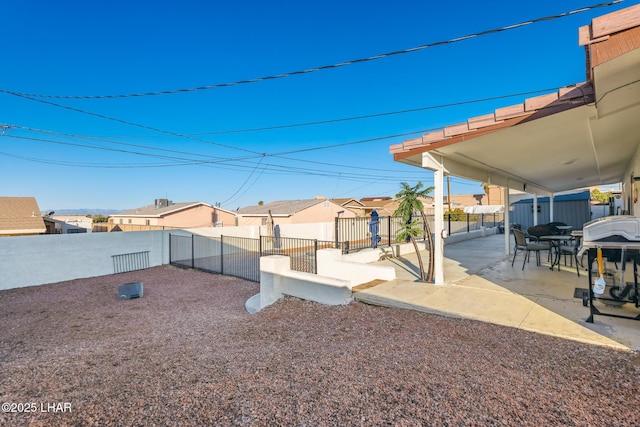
[(130, 290)]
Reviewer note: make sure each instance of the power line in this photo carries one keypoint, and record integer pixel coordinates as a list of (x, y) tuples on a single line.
[(217, 159), (302, 124), (182, 160), (245, 182), (375, 115), (178, 161), (126, 122), (328, 67)]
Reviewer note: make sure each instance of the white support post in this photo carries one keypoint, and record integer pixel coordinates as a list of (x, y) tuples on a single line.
[(507, 222), (437, 166), (438, 250), (551, 208), (535, 209)]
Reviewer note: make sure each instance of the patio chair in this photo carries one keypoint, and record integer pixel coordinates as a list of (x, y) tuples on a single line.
[(572, 250), (537, 231), (524, 245)]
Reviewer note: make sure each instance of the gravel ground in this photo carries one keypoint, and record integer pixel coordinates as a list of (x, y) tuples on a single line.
[(188, 353)]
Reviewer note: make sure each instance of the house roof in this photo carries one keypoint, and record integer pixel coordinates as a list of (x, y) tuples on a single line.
[(581, 135), (281, 207), (153, 211), (344, 201), (218, 208), (583, 195), (20, 215), (378, 203)]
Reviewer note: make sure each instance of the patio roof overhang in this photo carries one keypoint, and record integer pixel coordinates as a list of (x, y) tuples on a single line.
[(583, 135)]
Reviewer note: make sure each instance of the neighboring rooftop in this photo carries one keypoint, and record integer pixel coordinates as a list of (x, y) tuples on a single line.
[(159, 208), (280, 207), (20, 215)]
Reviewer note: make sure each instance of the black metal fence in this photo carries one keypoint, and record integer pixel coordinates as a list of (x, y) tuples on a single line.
[(240, 256), (353, 233), (465, 223)]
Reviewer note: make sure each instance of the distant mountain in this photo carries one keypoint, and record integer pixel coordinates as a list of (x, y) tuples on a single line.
[(92, 212)]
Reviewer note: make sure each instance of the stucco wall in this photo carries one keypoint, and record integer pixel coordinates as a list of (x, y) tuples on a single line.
[(321, 231), (325, 211), (222, 218), (36, 260), (197, 216), (259, 220)]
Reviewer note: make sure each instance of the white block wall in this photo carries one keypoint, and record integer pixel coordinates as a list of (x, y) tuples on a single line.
[(37, 260)]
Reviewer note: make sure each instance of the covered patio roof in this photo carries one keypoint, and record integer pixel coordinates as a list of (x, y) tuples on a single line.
[(582, 135)]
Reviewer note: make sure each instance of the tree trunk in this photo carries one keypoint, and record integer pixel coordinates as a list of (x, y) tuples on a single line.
[(415, 246), (427, 231)]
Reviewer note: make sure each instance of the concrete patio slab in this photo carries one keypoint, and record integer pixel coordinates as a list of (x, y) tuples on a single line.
[(482, 285)]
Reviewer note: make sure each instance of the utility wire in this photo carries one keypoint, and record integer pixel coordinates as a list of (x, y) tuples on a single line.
[(282, 155), (370, 116), (177, 161), (218, 159), (114, 119), (321, 122), (328, 67)]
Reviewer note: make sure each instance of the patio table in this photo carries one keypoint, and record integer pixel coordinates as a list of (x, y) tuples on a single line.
[(564, 228), (556, 240)]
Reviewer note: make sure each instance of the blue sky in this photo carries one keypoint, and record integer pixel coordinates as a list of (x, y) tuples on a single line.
[(204, 145)]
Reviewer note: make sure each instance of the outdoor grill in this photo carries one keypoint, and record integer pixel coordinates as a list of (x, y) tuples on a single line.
[(618, 237), (620, 230)]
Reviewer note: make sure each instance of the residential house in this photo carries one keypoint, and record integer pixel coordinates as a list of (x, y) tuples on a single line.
[(293, 212), (166, 214), (493, 195), (20, 216), (67, 226), (223, 217), (378, 203), (352, 204)]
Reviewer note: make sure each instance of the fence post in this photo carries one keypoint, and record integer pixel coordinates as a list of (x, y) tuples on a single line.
[(336, 232), (193, 253), (449, 224), (259, 246), (221, 254), (389, 230), (468, 222), (169, 248), (315, 256)]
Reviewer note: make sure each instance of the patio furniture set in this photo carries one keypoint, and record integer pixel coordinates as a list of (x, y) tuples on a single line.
[(555, 238), (616, 238)]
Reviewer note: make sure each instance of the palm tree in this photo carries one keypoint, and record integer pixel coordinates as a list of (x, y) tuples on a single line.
[(485, 187), (410, 202)]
